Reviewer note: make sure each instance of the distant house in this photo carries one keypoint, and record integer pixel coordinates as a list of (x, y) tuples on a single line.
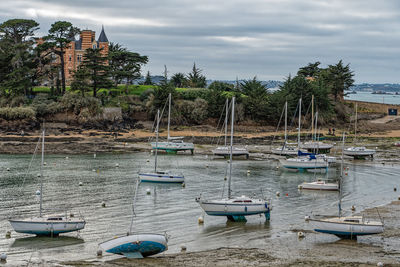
[(73, 55)]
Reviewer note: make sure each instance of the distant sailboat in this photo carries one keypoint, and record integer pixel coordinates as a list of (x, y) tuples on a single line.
[(358, 151), (287, 149), (225, 150), (173, 144), (136, 245), (51, 225), (235, 208), (160, 176), (346, 227)]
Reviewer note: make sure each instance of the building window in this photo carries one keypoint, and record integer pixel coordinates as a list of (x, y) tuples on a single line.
[(79, 58), (94, 46)]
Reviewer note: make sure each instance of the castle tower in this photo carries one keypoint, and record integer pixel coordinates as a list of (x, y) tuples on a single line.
[(103, 42)]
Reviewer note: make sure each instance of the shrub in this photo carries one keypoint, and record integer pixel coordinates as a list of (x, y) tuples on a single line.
[(45, 106), (146, 94), (76, 103), (193, 111), (17, 113)]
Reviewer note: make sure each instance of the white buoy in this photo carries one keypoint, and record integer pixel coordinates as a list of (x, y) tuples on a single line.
[(307, 218), (3, 257), (248, 172), (200, 220), (277, 167), (206, 165), (8, 234), (151, 151), (148, 191), (45, 163), (183, 248), (103, 204), (225, 178), (8, 169), (379, 264), (38, 175), (80, 183), (94, 155), (66, 157), (300, 234), (148, 160), (278, 193), (227, 161), (93, 170), (99, 253), (116, 165), (299, 186), (37, 192)]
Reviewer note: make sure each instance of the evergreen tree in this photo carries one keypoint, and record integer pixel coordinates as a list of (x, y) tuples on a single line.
[(195, 79), (60, 35), (81, 80), (338, 78), (179, 80), (163, 90), (148, 80)]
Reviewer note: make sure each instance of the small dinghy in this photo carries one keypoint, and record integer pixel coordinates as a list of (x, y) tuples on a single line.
[(319, 185), (136, 245)]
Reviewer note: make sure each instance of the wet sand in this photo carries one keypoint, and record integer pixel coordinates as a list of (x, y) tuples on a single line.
[(314, 249)]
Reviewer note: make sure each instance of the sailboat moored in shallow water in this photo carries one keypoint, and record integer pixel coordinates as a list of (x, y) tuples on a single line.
[(235, 208)]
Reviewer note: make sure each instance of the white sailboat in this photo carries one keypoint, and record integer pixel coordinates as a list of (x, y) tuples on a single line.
[(358, 151), (304, 161), (346, 226), (235, 208), (51, 225), (319, 185), (314, 145), (173, 144), (287, 149), (225, 150), (160, 176), (136, 245)]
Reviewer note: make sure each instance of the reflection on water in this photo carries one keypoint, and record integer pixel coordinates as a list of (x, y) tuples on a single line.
[(170, 208)]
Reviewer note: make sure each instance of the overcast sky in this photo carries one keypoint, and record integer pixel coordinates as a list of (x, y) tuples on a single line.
[(238, 38)]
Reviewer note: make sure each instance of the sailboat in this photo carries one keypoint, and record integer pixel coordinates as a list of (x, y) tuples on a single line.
[(136, 245), (160, 176), (225, 150), (51, 225), (358, 151), (304, 161), (235, 208), (287, 149), (173, 144), (315, 145), (346, 226)]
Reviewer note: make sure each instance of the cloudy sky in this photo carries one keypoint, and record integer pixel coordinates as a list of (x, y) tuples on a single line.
[(238, 38)]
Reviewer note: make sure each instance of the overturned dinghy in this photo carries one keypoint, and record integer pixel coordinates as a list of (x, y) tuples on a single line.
[(136, 245)]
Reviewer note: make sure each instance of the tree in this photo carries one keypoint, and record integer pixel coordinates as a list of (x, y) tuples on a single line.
[(148, 80), (16, 54), (311, 70), (256, 100), (60, 35), (98, 71), (338, 78), (124, 65), (163, 90), (81, 80), (221, 86), (195, 79), (178, 80)]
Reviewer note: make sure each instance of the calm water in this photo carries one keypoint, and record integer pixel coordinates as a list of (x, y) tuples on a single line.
[(169, 208), (375, 98)]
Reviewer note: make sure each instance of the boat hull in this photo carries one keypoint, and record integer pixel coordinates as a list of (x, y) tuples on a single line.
[(359, 152), (225, 152), (173, 147), (319, 186), (139, 244), (46, 228), (297, 163), (345, 230), (161, 178), (227, 208)]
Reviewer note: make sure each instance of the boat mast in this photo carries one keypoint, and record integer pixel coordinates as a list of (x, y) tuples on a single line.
[(169, 112), (133, 205), (158, 124), (355, 126), (41, 176), (285, 123), (298, 132), (230, 156), (226, 118), (340, 180), (312, 118)]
